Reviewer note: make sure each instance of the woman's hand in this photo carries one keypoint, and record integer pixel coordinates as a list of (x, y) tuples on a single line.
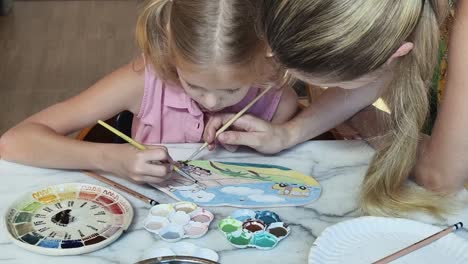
[(248, 131), (153, 165)]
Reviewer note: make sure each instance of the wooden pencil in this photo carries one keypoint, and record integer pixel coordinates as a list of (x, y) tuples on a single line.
[(422, 243), (121, 187)]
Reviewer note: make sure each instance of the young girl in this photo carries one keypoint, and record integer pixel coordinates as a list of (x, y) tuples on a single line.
[(361, 50), (200, 57)]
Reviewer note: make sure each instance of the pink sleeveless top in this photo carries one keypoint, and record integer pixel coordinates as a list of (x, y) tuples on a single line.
[(168, 115)]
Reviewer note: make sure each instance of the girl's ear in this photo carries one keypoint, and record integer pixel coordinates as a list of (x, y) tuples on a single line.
[(404, 49), (269, 52)]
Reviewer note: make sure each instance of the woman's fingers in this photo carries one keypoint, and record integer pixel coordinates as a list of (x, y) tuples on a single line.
[(213, 125), (250, 139), (230, 148), (251, 124), (247, 131), (211, 146)]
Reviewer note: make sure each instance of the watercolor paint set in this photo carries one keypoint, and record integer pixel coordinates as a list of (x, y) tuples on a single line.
[(259, 229), (173, 222), (68, 219)]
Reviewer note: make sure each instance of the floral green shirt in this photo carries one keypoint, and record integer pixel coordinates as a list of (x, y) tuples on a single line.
[(440, 73)]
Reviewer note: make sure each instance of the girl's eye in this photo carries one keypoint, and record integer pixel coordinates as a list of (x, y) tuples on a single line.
[(232, 91)]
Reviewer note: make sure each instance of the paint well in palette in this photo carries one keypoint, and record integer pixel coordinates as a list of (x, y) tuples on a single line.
[(118, 219), (240, 239), (111, 231), (23, 228), (31, 207), (171, 235), (94, 240), (186, 207), (278, 231), (162, 210), (87, 195), (49, 243), (71, 243), (229, 225), (67, 196), (264, 240), (267, 217), (154, 225), (172, 232), (48, 198), (253, 225), (201, 218), (105, 199), (116, 208), (32, 238), (23, 217), (195, 229)]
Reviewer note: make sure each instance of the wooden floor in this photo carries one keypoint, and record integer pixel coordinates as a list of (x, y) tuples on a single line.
[(51, 50)]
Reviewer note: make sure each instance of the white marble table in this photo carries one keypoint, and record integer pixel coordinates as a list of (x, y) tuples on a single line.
[(339, 167)]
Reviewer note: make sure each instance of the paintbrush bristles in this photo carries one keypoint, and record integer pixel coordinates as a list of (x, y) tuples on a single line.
[(198, 151)]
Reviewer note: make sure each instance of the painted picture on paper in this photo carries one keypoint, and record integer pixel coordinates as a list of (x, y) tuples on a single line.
[(241, 185)]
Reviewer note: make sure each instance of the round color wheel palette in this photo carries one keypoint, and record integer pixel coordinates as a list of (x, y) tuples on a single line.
[(68, 219)]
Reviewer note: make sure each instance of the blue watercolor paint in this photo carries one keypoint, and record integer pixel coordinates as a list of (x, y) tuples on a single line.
[(49, 243), (268, 217), (71, 243)]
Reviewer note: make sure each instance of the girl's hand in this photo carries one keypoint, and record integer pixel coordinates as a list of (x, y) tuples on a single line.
[(251, 131), (153, 165)]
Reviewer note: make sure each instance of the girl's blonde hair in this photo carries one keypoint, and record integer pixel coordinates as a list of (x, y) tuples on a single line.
[(202, 32), (345, 39)]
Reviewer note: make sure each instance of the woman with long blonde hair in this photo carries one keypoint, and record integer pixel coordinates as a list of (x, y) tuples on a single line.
[(361, 50)]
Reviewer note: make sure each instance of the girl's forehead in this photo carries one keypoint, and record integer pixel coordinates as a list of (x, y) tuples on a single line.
[(220, 77)]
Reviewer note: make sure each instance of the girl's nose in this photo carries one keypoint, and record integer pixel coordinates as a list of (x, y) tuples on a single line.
[(210, 101)]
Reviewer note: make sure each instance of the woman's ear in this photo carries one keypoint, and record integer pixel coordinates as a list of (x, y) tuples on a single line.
[(404, 49)]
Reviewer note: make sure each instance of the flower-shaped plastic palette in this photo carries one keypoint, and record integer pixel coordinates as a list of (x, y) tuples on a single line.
[(172, 222), (259, 229)]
